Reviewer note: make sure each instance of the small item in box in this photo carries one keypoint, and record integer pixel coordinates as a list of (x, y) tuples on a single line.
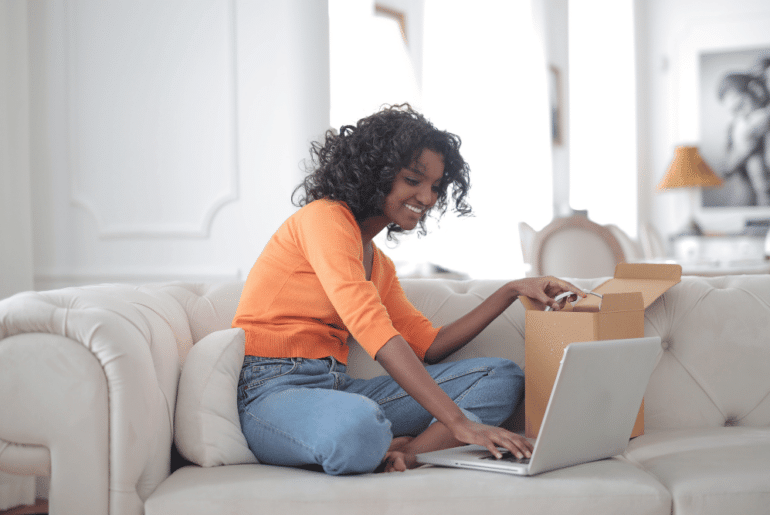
[(567, 295)]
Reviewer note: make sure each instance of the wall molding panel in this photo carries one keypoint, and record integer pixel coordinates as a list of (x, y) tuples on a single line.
[(152, 114), (60, 279), (167, 137)]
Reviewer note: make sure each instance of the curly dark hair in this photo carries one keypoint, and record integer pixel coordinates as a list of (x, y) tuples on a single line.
[(358, 164)]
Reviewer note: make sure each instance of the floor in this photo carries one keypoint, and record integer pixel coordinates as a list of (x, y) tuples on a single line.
[(39, 508)]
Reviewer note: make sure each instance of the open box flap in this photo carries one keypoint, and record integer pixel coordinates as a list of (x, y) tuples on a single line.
[(625, 301), (652, 280), (658, 271)]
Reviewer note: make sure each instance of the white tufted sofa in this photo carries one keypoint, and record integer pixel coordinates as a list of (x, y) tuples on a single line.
[(88, 385)]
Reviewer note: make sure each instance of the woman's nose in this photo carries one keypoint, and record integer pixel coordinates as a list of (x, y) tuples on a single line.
[(426, 196)]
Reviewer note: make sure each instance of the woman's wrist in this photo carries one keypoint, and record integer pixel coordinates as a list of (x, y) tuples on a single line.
[(513, 290), (450, 414), (458, 417)]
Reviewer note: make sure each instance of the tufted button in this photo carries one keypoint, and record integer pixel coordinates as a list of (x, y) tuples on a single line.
[(731, 422), (665, 344)]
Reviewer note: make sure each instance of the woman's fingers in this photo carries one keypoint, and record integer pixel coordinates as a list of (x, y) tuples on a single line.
[(544, 290), (491, 447), (556, 286), (553, 293), (518, 445), (493, 437)]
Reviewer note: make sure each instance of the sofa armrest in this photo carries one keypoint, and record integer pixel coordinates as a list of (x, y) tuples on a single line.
[(53, 395), (97, 371)]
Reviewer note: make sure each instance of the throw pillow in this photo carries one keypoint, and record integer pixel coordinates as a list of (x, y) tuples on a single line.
[(207, 427)]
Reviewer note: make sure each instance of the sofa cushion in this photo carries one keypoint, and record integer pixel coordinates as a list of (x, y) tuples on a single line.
[(207, 427), (717, 358), (709, 470), (605, 487)]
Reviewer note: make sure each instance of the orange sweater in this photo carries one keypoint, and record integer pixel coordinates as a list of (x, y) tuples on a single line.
[(307, 292)]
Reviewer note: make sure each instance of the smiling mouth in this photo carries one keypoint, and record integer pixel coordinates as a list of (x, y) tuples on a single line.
[(415, 209)]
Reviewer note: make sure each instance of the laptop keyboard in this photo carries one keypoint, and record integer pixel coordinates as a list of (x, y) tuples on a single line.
[(507, 456)]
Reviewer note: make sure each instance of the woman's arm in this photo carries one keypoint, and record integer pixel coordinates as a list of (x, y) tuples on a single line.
[(454, 336)]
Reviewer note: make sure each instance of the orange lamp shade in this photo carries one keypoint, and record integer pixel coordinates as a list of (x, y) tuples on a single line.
[(688, 169)]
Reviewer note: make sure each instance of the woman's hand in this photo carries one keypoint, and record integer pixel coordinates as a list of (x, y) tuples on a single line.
[(492, 437), (455, 335), (543, 291)]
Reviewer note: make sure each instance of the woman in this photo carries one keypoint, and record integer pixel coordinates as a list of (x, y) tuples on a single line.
[(321, 279)]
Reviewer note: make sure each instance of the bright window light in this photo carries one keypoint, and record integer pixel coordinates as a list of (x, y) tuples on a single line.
[(484, 79), (602, 89)]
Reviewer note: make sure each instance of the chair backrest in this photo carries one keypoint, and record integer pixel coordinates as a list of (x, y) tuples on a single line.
[(653, 245), (527, 237), (632, 249), (575, 247)]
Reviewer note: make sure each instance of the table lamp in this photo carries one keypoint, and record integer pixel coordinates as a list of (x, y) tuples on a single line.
[(689, 170)]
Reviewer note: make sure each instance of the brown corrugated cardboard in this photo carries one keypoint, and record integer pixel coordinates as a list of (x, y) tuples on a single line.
[(618, 314)]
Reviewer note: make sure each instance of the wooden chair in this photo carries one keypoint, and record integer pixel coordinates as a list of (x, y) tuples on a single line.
[(575, 247)]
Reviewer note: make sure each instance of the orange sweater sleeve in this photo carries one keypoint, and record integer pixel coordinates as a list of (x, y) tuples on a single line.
[(416, 329), (308, 291)]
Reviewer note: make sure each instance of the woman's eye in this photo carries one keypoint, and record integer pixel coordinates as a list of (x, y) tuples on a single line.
[(411, 182)]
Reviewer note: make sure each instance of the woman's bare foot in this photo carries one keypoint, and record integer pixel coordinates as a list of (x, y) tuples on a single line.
[(396, 460)]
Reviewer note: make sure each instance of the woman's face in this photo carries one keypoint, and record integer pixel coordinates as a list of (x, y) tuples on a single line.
[(415, 190)]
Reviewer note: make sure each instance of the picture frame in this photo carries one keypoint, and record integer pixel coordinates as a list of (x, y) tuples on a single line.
[(707, 36), (734, 132), (555, 105)]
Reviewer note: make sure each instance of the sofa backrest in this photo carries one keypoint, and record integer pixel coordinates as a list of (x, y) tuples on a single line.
[(443, 301), (713, 372), (715, 334), (209, 307)]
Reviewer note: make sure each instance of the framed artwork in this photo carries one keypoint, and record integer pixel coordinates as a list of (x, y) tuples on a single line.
[(555, 104), (735, 126), (706, 50)]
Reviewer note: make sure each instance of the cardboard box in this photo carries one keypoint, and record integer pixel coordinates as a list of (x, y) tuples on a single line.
[(618, 314)]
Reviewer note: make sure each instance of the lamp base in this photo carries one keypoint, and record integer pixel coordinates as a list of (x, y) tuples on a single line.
[(690, 229)]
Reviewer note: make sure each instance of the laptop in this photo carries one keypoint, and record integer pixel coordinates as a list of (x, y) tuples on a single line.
[(590, 415)]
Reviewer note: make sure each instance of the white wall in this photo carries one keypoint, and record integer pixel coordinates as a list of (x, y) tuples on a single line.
[(671, 34), (167, 137), (235, 94), (16, 270), (555, 30)]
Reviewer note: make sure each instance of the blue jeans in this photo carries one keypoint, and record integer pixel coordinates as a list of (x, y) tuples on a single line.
[(300, 412)]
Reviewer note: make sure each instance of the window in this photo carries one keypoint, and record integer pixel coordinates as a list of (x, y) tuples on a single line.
[(602, 85), (483, 78)]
